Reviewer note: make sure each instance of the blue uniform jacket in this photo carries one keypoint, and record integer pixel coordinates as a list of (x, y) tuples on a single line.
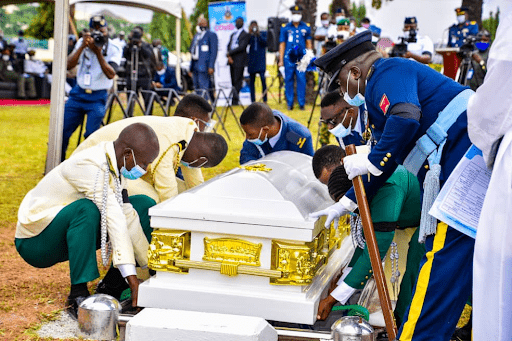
[(208, 46), (393, 86), (257, 61), (294, 137), (295, 39), (457, 34), (168, 79)]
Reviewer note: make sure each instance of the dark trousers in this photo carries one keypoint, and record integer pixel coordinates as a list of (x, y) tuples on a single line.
[(252, 77), (237, 77), (74, 235)]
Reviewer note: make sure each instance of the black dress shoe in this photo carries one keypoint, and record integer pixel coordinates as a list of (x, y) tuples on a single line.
[(72, 305), (290, 107), (302, 108)]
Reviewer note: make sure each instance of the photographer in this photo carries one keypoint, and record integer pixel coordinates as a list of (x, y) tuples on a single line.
[(256, 59), (479, 59), (98, 60), (140, 64), (413, 46)]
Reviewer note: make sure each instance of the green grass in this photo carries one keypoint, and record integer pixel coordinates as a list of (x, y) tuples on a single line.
[(24, 139)]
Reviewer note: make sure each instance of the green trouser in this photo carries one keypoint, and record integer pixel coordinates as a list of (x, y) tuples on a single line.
[(74, 235), (11, 76)]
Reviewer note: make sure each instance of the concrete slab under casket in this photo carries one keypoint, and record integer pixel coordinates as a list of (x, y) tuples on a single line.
[(177, 325)]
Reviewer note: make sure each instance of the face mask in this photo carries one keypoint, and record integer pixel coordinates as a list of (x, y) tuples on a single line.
[(161, 72), (296, 17), (255, 29), (195, 163), (358, 99), (461, 19), (325, 23), (339, 17), (257, 141), (365, 25), (134, 173), (208, 126), (482, 46), (352, 26), (5, 57), (340, 131)]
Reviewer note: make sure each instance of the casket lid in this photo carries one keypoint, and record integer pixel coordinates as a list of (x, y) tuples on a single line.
[(283, 196)]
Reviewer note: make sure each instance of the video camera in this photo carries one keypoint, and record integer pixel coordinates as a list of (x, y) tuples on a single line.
[(329, 44), (399, 50), (469, 45), (95, 24)]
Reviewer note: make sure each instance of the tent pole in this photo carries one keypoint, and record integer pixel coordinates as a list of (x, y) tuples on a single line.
[(178, 51), (53, 155)]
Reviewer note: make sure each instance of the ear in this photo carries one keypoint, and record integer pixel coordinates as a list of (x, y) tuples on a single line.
[(355, 72), (127, 152)]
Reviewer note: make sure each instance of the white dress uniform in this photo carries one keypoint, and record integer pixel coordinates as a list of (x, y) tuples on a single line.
[(489, 122), (422, 45)]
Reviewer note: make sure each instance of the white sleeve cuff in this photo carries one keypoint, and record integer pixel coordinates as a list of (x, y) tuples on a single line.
[(374, 170), (343, 292), (349, 204), (127, 270), (346, 271)]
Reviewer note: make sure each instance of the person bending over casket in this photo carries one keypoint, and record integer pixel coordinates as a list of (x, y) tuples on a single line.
[(269, 131), (395, 206), (181, 144), (81, 205)]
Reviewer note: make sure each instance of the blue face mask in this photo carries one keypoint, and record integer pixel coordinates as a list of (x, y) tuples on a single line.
[(340, 131), (358, 99), (482, 46), (257, 141), (134, 173)]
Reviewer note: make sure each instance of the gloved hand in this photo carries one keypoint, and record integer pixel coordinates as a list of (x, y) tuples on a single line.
[(332, 212), (356, 164)]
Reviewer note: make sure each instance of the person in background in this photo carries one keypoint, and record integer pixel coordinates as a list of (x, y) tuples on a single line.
[(256, 59), (294, 39), (237, 57), (120, 40), (321, 33), (420, 50), (161, 52), (20, 50), (464, 28), (479, 59), (9, 74), (3, 42), (204, 54), (343, 30)]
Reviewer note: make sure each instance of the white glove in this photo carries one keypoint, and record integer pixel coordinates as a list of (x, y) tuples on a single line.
[(356, 164), (332, 212)]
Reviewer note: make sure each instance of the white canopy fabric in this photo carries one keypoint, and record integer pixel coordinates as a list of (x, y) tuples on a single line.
[(173, 7)]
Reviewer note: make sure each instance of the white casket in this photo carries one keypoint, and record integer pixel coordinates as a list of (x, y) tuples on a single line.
[(243, 243)]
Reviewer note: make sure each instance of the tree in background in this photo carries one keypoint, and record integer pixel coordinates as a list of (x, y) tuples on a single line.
[(41, 26), (359, 13), (201, 8), (475, 10), (491, 24), (345, 4), (163, 26)]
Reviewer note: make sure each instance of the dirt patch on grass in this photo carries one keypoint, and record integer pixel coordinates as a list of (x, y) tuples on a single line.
[(28, 296)]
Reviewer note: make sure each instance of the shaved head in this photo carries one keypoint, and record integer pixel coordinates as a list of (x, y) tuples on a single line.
[(137, 141)]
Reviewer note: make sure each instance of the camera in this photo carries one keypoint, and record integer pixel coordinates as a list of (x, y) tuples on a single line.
[(99, 38), (469, 45), (399, 50), (329, 44)]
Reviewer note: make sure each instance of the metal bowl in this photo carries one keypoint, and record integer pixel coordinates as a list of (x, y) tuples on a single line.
[(98, 316), (352, 328)]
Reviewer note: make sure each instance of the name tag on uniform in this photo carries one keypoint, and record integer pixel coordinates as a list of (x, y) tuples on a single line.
[(204, 48), (290, 38), (87, 79)]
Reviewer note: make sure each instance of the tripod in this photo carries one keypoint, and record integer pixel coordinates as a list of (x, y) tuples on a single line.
[(279, 77), (464, 68)]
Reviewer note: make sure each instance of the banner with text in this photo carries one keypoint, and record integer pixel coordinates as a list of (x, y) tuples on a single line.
[(222, 16)]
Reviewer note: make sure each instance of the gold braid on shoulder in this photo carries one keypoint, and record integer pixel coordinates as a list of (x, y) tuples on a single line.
[(150, 174)]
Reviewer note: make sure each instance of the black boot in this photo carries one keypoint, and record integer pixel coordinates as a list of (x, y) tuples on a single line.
[(112, 284)]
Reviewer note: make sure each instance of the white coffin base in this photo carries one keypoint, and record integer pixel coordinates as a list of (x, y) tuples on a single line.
[(271, 302), (165, 324)]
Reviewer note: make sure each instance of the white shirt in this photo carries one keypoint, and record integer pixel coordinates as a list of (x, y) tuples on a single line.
[(34, 66), (195, 53), (273, 140), (120, 43), (234, 41), (423, 44), (88, 63)]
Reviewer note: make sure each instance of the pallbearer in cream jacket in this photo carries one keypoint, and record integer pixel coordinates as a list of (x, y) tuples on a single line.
[(81, 206)]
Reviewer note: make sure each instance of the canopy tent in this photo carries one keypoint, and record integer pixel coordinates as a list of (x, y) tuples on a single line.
[(172, 7)]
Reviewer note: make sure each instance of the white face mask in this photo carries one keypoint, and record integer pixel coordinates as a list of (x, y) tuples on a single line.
[(160, 72), (340, 131), (325, 23), (5, 57), (461, 19), (352, 26), (343, 35), (296, 17), (339, 17)]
